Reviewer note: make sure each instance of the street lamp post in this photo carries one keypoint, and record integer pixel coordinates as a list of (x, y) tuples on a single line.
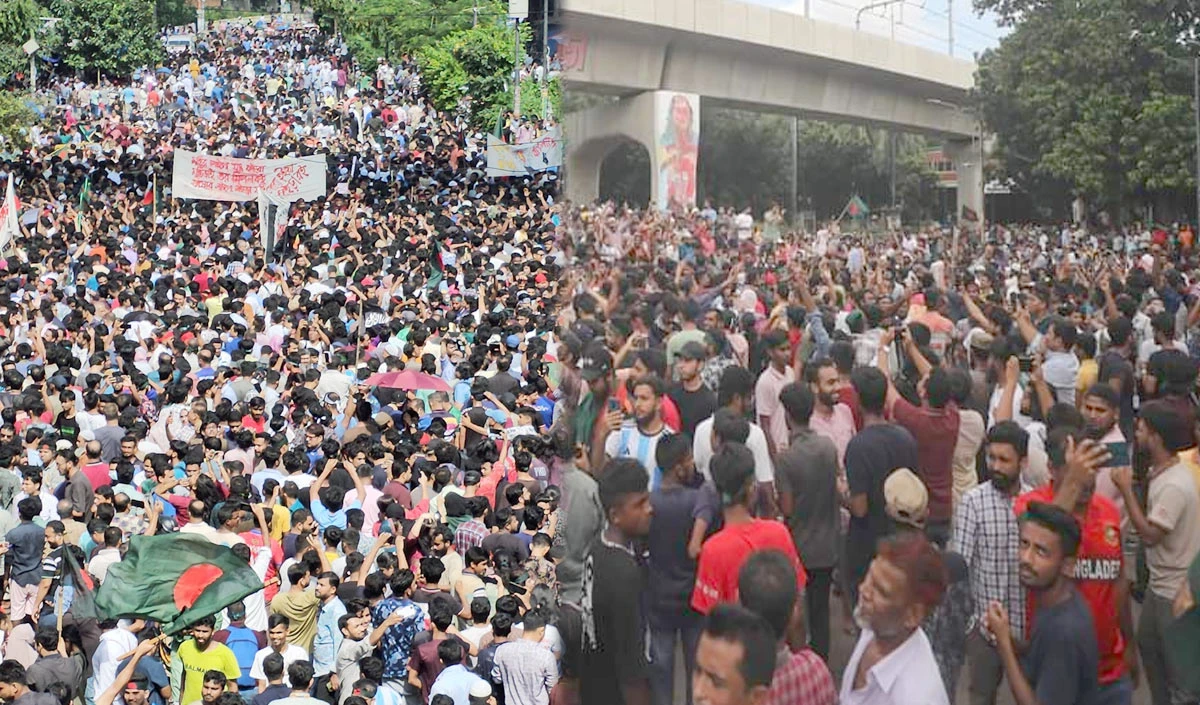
[(872, 6), (982, 178), (1196, 115)]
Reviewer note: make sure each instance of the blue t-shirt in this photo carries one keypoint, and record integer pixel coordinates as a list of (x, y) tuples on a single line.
[(326, 518)]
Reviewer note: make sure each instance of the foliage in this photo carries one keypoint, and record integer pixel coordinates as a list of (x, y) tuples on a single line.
[(746, 160), (477, 62), (174, 13), (17, 18), (15, 118), (1087, 95), (112, 37), (390, 28)]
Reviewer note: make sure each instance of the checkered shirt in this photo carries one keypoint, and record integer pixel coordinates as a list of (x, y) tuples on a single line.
[(801, 678), (987, 537), (470, 534)]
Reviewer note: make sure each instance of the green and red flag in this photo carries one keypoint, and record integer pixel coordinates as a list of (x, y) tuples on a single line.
[(857, 208), (176, 580)]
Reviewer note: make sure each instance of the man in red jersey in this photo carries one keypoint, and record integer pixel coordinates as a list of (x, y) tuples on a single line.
[(1099, 567), (723, 554)]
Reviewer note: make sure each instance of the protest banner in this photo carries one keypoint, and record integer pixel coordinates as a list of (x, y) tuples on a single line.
[(272, 218), (214, 178), (10, 225), (522, 159)]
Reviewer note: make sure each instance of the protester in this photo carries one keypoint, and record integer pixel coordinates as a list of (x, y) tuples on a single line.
[(1060, 664)]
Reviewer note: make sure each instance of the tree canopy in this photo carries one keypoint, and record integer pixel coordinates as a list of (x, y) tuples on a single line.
[(1093, 97)]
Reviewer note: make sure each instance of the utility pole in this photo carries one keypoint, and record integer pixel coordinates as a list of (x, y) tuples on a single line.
[(517, 67), (950, 24), (33, 61), (795, 168), (1196, 111)]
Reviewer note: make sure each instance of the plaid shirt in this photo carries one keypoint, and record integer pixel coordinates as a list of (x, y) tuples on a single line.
[(987, 537), (470, 534), (801, 678)]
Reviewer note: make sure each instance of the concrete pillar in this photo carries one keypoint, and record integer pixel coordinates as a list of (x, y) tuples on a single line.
[(666, 123), (967, 164)]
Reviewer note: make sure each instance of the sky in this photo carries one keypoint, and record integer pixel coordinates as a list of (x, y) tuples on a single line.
[(920, 22)]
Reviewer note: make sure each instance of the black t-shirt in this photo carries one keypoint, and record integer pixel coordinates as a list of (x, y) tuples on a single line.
[(1113, 364), (271, 694), (1063, 660), (871, 456), (672, 573), (694, 407), (509, 542), (614, 636), (68, 428)]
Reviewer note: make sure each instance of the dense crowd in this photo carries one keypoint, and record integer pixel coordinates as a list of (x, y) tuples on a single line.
[(360, 414), (990, 454)]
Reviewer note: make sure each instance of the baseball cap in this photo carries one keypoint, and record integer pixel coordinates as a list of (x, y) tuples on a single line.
[(596, 362), (905, 497), (691, 351)]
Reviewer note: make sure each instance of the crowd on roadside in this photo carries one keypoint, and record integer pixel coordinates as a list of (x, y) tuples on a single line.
[(990, 454), (361, 413)]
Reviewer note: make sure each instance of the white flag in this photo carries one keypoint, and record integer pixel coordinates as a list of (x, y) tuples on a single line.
[(10, 225)]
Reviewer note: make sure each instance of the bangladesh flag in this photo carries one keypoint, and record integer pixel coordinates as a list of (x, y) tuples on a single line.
[(857, 208), (436, 267), (176, 580)]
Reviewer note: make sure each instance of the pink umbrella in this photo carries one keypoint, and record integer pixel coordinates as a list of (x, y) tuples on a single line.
[(408, 380)]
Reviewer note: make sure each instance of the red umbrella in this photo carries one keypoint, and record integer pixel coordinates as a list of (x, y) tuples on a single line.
[(408, 380)]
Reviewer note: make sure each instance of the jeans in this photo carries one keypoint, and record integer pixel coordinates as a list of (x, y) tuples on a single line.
[(663, 635), (816, 605), (1158, 660), (1119, 692), (985, 669)]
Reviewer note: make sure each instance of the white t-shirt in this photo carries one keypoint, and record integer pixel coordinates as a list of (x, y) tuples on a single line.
[(291, 654), (702, 451)]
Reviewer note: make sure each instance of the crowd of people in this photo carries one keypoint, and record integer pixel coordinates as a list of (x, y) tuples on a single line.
[(481, 448), (989, 454), (358, 413)]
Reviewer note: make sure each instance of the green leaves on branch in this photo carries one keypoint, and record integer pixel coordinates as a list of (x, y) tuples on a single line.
[(1092, 96), (15, 118)]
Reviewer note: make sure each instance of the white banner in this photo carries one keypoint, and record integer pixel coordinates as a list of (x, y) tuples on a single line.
[(522, 159), (212, 178), (272, 219), (10, 225)]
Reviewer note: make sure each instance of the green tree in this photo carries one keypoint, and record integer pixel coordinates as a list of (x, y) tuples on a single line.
[(1085, 97), (17, 18), (15, 118), (174, 13), (111, 37), (478, 62)]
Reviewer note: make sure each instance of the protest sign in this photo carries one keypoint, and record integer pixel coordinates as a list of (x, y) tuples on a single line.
[(213, 178), (272, 218), (525, 158), (10, 225)]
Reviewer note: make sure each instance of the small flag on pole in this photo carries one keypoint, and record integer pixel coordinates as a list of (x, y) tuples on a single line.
[(969, 214), (84, 194)]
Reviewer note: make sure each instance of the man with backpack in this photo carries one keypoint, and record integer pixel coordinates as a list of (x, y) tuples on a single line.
[(244, 642)]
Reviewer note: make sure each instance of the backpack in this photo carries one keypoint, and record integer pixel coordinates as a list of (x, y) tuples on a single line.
[(243, 642)]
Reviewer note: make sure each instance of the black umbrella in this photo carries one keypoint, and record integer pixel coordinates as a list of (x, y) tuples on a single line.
[(135, 316)]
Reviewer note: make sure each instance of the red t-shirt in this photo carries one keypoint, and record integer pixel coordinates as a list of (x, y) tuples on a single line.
[(937, 435), (723, 555), (1098, 572), (256, 426), (97, 474)]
